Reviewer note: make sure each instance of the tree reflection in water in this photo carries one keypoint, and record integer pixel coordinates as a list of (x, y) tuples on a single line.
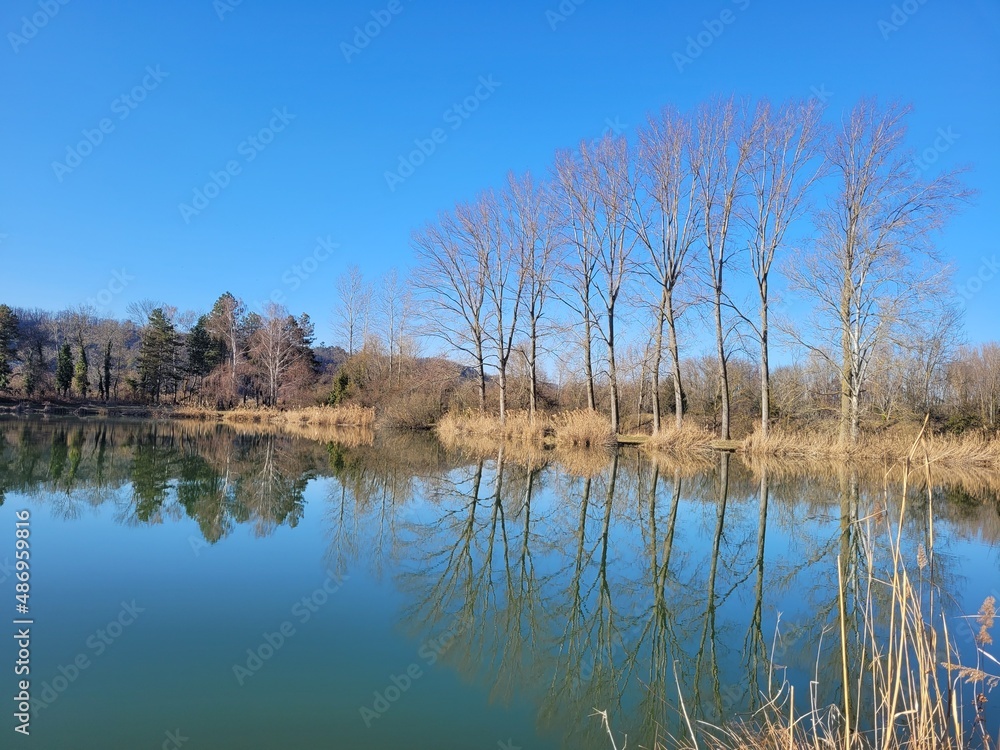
[(574, 587)]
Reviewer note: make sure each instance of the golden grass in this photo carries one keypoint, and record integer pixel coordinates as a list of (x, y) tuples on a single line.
[(680, 441), (486, 431), (583, 429), (888, 446), (574, 429), (348, 425), (580, 441), (318, 416)]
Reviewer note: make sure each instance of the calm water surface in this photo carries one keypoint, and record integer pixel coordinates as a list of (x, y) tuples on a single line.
[(198, 586)]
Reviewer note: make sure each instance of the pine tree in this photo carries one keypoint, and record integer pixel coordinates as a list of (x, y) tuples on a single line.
[(157, 355), (64, 369), (8, 344), (204, 351), (81, 372)]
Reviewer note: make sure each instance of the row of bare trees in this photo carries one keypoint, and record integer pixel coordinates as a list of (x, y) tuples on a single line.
[(628, 236)]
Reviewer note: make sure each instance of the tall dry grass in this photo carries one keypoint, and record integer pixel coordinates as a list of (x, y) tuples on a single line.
[(583, 429), (347, 425), (319, 416), (472, 429), (574, 429), (680, 441), (888, 446)]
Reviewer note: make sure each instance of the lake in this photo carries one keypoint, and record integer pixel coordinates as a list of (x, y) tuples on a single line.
[(199, 586)]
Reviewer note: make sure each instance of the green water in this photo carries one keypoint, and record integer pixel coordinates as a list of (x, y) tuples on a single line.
[(221, 590)]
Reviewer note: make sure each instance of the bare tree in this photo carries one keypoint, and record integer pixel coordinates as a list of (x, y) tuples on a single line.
[(226, 322), (873, 262), (534, 245), (666, 219), (719, 160), (278, 344), (395, 306), (607, 186), (353, 310), (782, 167), (452, 273), (577, 220), (488, 226)]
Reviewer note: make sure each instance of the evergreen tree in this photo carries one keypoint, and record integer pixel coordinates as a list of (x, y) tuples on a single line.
[(64, 369), (204, 351), (81, 372), (8, 344), (157, 355), (107, 371)]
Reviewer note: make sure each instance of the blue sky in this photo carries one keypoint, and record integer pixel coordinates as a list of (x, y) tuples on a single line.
[(212, 76)]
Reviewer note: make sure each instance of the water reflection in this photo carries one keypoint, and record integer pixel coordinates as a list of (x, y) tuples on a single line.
[(575, 586)]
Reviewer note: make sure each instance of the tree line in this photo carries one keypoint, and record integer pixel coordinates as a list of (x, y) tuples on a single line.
[(682, 233), (226, 357)]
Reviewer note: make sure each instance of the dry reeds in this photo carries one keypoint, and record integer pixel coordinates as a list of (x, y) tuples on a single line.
[(888, 446), (486, 431), (680, 441), (347, 425), (318, 416), (583, 429)]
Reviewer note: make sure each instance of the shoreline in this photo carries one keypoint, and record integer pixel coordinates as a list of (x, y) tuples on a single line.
[(579, 431)]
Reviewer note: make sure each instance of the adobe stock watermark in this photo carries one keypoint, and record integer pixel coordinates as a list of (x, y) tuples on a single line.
[(454, 117), (946, 138), (249, 148), (561, 13), (223, 8), (900, 14), (713, 28), (272, 642), (31, 25), (174, 740), (122, 106), (365, 33), (614, 126), (117, 284), (819, 94), (429, 653), (299, 273), (988, 270), (97, 644)]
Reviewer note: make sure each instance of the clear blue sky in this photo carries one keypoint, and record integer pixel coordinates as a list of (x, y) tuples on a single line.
[(64, 233)]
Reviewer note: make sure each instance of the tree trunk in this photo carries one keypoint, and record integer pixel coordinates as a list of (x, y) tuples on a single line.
[(657, 358), (588, 365), (765, 373), (675, 362), (533, 375), (503, 392), (481, 365), (847, 362), (723, 369), (613, 372)]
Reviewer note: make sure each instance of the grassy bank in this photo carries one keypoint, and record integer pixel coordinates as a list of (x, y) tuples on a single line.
[(347, 425), (318, 416)]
